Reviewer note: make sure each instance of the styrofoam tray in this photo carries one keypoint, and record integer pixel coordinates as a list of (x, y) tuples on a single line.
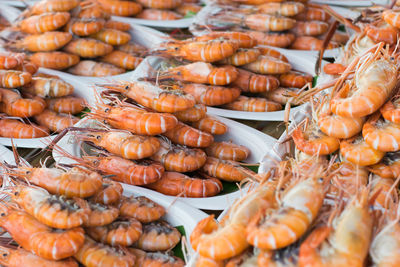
[(9, 12), (257, 142)]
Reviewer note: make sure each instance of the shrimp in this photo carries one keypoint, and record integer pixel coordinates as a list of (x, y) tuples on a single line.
[(230, 171), (68, 104), (388, 167), (253, 104), (268, 65), (28, 66), (179, 184), (180, 159), (185, 135), (110, 194), (45, 42), (93, 254), (166, 4), (56, 122), (188, 9), (267, 51), (382, 33), (49, 87), (313, 13), (157, 259), (132, 48), (112, 36), (11, 60), (53, 211), (40, 239), (141, 208), (193, 114), (88, 48), (299, 207), (357, 151), (211, 125), (382, 190), (15, 129), (45, 6), (295, 79), (201, 72), (152, 96), (11, 257), (118, 233), (345, 242), (381, 135), (95, 69), (255, 83), (121, 8), (122, 60), (334, 68), (135, 120), (205, 51), (100, 215), (241, 57), (287, 9), (156, 14), (14, 105), (284, 95), (75, 182), (158, 236), (44, 22), (127, 171), (310, 28), (244, 39), (310, 43), (265, 23), (207, 262), (391, 17), (84, 27), (54, 60), (14, 78), (228, 151), (391, 111), (212, 95), (117, 25), (273, 39), (124, 144), (89, 9)]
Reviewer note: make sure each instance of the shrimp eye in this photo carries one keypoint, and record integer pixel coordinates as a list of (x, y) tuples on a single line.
[(176, 48), (16, 193), (107, 110), (98, 137), (28, 172), (5, 254), (320, 179), (2, 214), (127, 87), (391, 58)]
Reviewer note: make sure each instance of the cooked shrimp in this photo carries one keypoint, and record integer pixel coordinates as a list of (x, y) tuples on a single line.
[(88, 48), (45, 6), (117, 25), (255, 83), (212, 95), (166, 4), (391, 110), (55, 122), (111, 193), (295, 79), (16, 129), (288, 9), (185, 135), (158, 236), (242, 38), (228, 151), (210, 125), (45, 42), (156, 14), (49, 87), (193, 114), (230, 171), (122, 60), (310, 43), (388, 167), (68, 104), (112, 36), (268, 65), (242, 56), (382, 33), (357, 151), (273, 39), (100, 215), (141, 208), (14, 78), (84, 27), (268, 51), (253, 104), (265, 23), (44, 22), (310, 28), (120, 8), (14, 105), (95, 69), (54, 60)]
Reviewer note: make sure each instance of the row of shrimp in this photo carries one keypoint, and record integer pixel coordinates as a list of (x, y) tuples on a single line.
[(27, 97), (152, 9), (64, 215), (285, 24), (229, 70), (57, 34)]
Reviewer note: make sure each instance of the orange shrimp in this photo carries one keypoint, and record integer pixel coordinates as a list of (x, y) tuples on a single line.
[(273, 39), (89, 9), (155, 259), (100, 215), (253, 104), (118, 233), (110, 194), (310, 43), (295, 79), (226, 170), (122, 60), (141, 208), (16, 129), (388, 167), (96, 69), (117, 25), (44, 22), (357, 151), (28, 66), (255, 83), (54, 60), (93, 254), (68, 104), (334, 68), (84, 27), (284, 95), (212, 95), (14, 105), (185, 135), (179, 159), (53, 211), (120, 8), (241, 57), (390, 16), (135, 120), (87, 47), (207, 262), (112, 36), (14, 78), (193, 114), (40, 239), (310, 28), (17, 257), (188, 9), (383, 33), (179, 184), (267, 51), (391, 110), (166, 4), (156, 14), (56, 122), (210, 125), (124, 144), (127, 171), (227, 151), (265, 23), (287, 9), (158, 236), (152, 96), (383, 192), (49, 87), (131, 48), (313, 13), (11, 60), (205, 51), (244, 39), (75, 182), (268, 65), (201, 72), (45, 6), (45, 42)]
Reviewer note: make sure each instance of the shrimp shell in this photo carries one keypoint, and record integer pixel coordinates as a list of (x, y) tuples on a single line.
[(44, 22), (14, 78), (95, 69), (121, 8), (273, 39), (268, 65), (14, 105), (210, 125), (227, 151), (112, 36), (45, 42), (158, 236), (212, 95), (100, 215), (122, 60), (193, 114), (255, 83), (56, 122), (264, 22), (253, 104), (156, 14), (141, 208), (357, 151), (226, 170), (185, 135), (88, 48), (69, 104), (49, 87), (111, 193), (17, 129), (54, 60), (166, 4)]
